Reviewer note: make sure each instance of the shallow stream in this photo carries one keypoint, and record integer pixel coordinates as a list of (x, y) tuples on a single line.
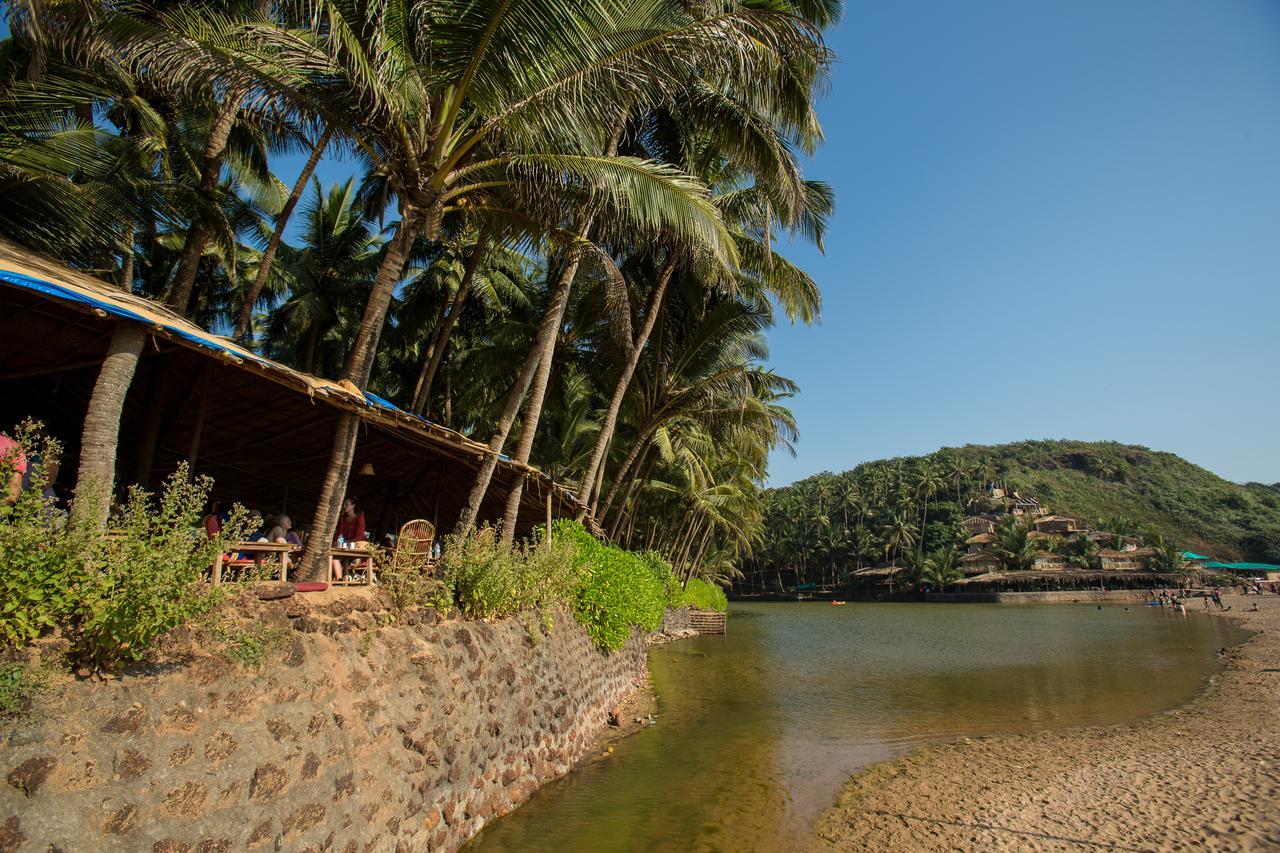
[(759, 729)]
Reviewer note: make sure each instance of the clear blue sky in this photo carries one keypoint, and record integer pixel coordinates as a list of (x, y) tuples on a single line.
[(1055, 220)]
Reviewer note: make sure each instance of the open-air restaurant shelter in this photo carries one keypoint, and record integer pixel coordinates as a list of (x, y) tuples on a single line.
[(263, 431)]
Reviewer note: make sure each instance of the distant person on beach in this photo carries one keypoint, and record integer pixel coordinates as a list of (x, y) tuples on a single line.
[(1217, 597)]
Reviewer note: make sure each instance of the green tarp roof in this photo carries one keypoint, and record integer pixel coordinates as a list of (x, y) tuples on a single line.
[(1192, 555), (1244, 567)]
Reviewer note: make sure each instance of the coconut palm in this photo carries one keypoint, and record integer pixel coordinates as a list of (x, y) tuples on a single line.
[(1013, 546)]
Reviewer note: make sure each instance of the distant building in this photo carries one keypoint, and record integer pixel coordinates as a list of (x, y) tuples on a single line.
[(1060, 524), (978, 544), (978, 564), (975, 525)]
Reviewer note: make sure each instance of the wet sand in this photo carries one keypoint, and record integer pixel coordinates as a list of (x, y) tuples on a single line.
[(1204, 776)]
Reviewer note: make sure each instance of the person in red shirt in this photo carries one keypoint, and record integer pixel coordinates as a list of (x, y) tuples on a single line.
[(13, 467), (350, 531)]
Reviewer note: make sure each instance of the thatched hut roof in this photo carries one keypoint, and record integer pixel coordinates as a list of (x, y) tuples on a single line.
[(878, 572), (266, 429), (980, 539)]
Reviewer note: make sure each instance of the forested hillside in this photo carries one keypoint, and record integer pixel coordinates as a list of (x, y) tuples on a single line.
[(901, 509)]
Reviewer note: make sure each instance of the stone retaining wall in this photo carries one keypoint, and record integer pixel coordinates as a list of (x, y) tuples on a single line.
[(351, 738)]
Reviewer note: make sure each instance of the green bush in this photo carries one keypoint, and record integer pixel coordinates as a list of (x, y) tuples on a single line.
[(111, 594), (42, 561), (704, 596), (143, 579), (19, 683), (408, 581), (615, 588), (489, 580)]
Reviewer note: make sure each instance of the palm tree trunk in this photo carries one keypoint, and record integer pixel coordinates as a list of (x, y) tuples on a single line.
[(548, 335), (359, 367), (544, 346), (282, 221), (605, 436), (450, 322), (211, 172), (622, 472), (95, 481)]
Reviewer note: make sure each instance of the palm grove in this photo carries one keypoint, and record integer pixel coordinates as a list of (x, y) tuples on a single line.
[(560, 237)]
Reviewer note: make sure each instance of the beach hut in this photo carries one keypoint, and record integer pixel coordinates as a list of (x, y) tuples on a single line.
[(979, 543), (262, 430)]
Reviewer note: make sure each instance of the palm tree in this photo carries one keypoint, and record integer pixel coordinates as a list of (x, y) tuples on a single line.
[(326, 277), (899, 535), (928, 482), (940, 568), (521, 97), (1012, 545)]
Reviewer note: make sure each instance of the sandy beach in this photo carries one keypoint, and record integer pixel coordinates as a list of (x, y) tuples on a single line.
[(1204, 776)]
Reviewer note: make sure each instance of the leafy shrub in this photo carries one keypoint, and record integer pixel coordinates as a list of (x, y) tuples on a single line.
[(408, 581), (142, 579), (42, 560), (490, 580), (615, 588), (704, 596), (248, 646), (111, 593)]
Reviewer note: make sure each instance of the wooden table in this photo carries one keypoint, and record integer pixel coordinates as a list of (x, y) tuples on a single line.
[(262, 549), (349, 554)]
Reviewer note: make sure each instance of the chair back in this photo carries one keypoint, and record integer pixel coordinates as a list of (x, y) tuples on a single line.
[(416, 538)]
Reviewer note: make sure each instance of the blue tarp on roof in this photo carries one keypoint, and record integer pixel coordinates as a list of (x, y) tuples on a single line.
[(57, 291)]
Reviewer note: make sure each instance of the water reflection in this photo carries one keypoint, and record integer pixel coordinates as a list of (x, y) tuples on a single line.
[(758, 730)]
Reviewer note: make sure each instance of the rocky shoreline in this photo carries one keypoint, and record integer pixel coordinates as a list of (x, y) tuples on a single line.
[(1203, 776)]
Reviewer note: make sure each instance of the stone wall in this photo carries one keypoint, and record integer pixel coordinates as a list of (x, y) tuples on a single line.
[(352, 737)]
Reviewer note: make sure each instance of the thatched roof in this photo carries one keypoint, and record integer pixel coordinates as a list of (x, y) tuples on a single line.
[(977, 558), (1039, 535), (267, 429), (980, 539), (878, 572)]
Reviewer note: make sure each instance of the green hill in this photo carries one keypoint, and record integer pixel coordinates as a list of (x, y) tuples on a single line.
[(1092, 480), (1089, 480)]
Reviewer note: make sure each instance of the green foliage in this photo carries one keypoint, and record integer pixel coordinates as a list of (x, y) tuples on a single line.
[(19, 684), (861, 515), (940, 569), (41, 559), (111, 593), (1013, 545), (489, 580), (615, 588), (704, 596), (142, 579), (408, 580)]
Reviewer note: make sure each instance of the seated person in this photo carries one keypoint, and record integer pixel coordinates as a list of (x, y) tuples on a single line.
[(350, 532), (282, 533)]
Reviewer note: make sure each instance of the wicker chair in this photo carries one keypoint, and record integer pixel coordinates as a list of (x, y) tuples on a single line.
[(415, 541)]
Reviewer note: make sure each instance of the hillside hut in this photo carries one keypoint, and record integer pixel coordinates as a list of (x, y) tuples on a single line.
[(976, 525), (1111, 560), (981, 542), (1059, 524), (977, 564), (263, 431), (1050, 562)]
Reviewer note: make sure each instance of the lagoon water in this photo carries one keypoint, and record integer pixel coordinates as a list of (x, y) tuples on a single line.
[(758, 730)]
